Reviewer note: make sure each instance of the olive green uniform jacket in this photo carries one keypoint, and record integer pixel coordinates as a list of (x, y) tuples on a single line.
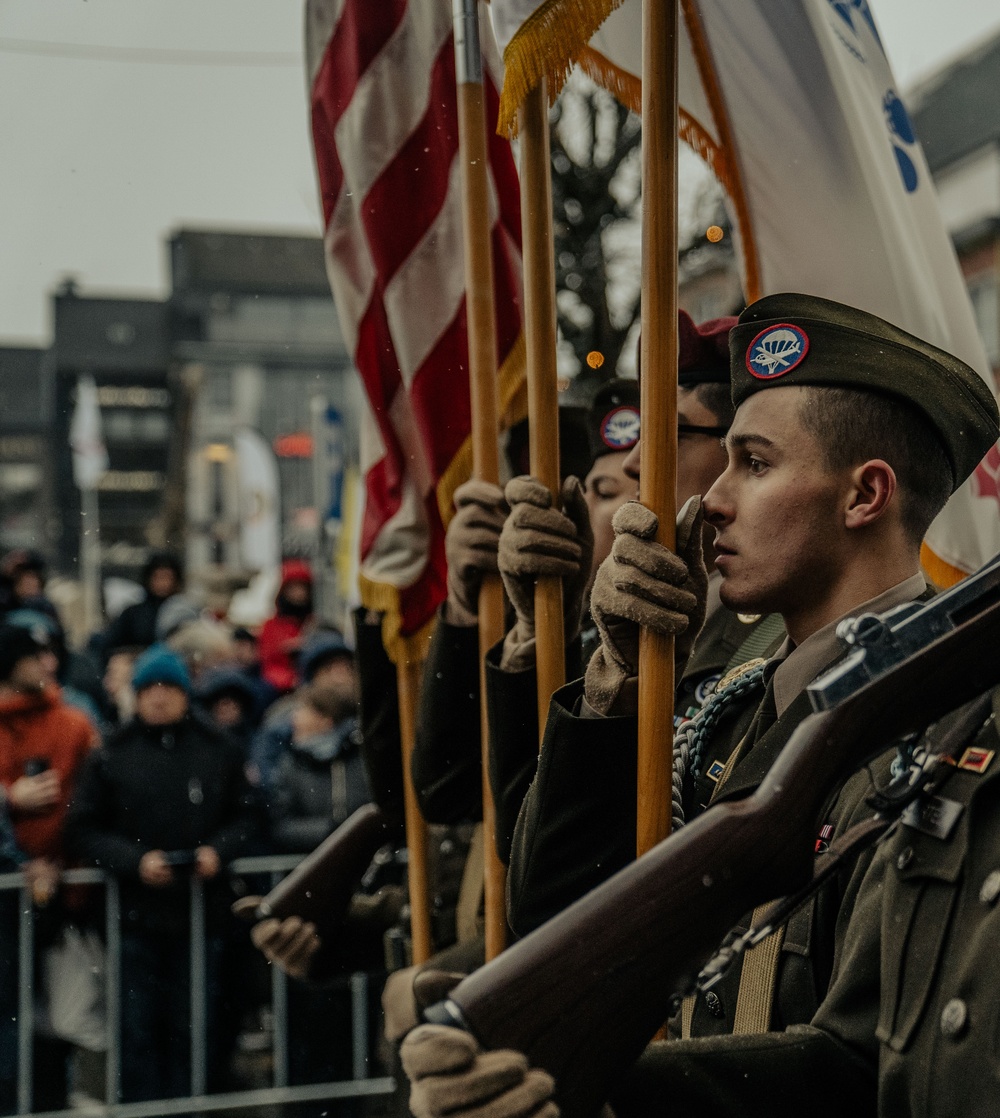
[(447, 764), (911, 1025), (512, 702), (577, 824)]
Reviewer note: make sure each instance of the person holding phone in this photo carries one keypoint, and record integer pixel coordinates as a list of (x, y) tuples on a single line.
[(43, 743), (165, 798)]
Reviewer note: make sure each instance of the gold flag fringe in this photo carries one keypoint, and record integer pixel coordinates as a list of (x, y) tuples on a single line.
[(384, 599), (625, 87), (720, 155), (547, 45)]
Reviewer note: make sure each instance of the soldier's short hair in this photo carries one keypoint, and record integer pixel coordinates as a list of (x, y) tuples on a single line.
[(719, 401), (852, 427)]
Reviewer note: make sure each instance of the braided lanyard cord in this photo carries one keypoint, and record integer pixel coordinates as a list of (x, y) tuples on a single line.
[(690, 740)]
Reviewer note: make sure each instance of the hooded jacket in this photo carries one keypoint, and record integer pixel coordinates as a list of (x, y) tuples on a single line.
[(280, 635), (40, 726), (317, 784), (135, 626), (171, 788)]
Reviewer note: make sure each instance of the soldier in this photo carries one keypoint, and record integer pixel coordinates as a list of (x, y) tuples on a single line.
[(447, 768), (910, 1023), (786, 542), (848, 438), (727, 638)]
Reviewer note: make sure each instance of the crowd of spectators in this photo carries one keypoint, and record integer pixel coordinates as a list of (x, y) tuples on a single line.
[(168, 746)]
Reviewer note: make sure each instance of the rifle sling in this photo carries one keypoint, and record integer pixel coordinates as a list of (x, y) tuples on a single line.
[(771, 918), (758, 979)]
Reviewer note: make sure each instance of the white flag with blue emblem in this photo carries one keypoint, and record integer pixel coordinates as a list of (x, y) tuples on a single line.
[(794, 106)]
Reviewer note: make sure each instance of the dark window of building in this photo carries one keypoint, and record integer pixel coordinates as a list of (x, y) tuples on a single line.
[(135, 426), (20, 504)]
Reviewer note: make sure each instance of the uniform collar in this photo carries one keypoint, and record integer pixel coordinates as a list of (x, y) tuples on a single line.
[(794, 667), (712, 600)]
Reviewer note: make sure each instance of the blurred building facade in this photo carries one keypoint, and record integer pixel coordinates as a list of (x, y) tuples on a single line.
[(208, 402), (124, 344), (256, 342), (26, 477)]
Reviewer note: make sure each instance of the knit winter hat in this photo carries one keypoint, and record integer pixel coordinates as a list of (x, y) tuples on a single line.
[(158, 664)]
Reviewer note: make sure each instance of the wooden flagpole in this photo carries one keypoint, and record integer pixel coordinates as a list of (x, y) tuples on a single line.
[(408, 685), (543, 395), (658, 452), (481, 320)]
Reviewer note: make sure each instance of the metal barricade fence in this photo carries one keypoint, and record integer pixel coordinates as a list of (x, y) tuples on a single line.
[(280, 1092)]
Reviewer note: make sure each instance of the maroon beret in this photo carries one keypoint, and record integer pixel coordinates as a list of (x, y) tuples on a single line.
[(704, 350), (703, 356)]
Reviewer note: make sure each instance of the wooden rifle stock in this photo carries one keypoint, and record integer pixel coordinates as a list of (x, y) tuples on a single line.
[(582, 995), (320, 887)]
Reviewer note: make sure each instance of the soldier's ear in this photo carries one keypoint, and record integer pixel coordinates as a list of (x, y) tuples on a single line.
[(870, 494)]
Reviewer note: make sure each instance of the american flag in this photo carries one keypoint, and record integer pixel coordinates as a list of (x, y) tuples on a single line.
[(385, 135)]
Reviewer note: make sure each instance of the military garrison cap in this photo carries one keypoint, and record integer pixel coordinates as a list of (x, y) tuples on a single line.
[(613, 418), (802, 339)]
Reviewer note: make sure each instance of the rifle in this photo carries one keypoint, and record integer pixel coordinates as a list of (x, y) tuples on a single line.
[(582, 995), (320, 887)]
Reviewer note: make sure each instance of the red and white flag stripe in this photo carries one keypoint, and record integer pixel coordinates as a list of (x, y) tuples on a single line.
[(385, 135)]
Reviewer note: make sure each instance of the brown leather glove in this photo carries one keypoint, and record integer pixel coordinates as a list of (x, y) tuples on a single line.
[(539, 540), (450, 1074), (470, 546), (290, 944), (642, 584)]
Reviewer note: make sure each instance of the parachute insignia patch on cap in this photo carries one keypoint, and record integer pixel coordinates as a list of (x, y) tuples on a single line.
[(620, 428), (776, 351)]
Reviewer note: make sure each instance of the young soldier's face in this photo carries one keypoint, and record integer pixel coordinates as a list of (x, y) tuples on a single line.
[(778, 511), (700, 458), (606, 489)]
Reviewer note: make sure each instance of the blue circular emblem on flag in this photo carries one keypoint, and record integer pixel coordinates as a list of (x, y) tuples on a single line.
[(776, 351), (620, 428)]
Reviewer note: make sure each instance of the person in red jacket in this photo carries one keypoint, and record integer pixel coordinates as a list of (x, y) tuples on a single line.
[(43, 742), (281, 635)]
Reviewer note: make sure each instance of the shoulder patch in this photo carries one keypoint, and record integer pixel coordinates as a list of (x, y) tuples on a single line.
[(776, 351)]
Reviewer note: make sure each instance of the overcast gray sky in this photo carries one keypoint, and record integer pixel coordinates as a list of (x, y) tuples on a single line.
[(107, 143)]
